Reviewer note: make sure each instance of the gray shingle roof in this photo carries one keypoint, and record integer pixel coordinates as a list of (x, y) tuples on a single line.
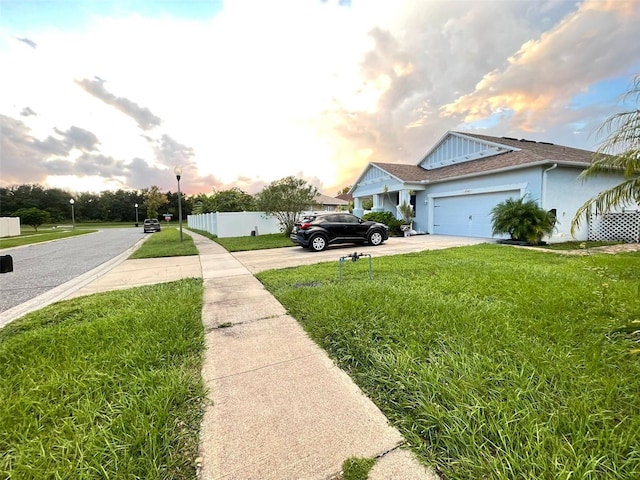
[(323, 199), (529, 152), (406, 173)]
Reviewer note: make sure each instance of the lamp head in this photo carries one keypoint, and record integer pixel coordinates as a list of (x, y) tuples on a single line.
[(72, 201), (178, 171)]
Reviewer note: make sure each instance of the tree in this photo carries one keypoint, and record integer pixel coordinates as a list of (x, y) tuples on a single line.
[(285, 199), (153, 200), (344, 190), (32, 216), (522, 219), (233, 200), (619, 153)]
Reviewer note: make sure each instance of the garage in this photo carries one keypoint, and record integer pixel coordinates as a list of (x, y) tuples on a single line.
[(467, 215)]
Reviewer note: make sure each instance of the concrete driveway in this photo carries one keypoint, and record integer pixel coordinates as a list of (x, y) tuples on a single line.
[(258, 260)]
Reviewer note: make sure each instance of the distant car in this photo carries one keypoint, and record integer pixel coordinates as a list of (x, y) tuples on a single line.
[(151, 225), (317, 231)]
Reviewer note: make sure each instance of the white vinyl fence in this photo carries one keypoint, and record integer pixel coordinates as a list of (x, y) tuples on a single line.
[(9, 226), (234, 224)]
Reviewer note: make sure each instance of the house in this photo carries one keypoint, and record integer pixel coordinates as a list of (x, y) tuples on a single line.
[(329, 204), (454, 187)]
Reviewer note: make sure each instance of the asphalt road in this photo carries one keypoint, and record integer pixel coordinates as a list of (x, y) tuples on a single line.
[(41, 267)]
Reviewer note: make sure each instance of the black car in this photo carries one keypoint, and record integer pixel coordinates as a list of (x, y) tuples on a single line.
[(319, 230), (151, 225)]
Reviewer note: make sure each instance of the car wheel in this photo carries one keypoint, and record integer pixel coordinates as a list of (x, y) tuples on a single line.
[(375, 238), (318, 243)]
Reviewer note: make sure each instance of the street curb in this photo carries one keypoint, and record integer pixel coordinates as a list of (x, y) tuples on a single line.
[(66, 289)]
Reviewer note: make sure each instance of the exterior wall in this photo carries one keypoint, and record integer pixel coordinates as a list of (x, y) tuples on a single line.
[(234, 224), (566, 193), (9, 226), (526, 181)]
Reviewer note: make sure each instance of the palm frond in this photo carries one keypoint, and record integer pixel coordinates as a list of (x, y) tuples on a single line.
[(628, 192), (619, 153)]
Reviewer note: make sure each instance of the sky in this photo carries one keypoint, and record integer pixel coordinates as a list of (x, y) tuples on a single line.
[(103, 95)]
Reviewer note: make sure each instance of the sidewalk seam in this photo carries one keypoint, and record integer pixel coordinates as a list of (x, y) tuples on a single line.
[(268, 366)]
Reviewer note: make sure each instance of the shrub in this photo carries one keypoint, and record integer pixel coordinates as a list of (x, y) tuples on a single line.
[(388, 219), (522, 219)]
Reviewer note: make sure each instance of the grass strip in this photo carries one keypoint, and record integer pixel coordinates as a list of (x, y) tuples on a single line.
[(104, 386), (166, 243), (31, 238), (259, 242), (493, 362)]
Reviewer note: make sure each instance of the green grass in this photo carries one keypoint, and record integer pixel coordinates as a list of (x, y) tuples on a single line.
[(104, 386), (166, 243), (260, 242), (31, 237), (357, 468), (493, 362)]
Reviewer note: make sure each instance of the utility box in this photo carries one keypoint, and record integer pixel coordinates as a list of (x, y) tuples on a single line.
[(6, 263)]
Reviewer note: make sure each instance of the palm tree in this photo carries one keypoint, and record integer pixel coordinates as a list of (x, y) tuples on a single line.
[(620, 152), (522, 219)]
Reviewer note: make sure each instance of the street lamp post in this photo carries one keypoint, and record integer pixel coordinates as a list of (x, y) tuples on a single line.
[(136, 205), (73, 216), (178, 172)]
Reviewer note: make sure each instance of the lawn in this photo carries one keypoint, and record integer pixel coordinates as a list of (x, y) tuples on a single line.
[(493, 362), (166, 243), (31, 237), (104, 386), (260, 242)]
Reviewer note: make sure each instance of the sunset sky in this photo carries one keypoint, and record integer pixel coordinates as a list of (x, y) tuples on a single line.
[(98, 95)]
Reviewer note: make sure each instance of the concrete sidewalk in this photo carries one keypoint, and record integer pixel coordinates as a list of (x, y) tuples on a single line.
[(279, 408)]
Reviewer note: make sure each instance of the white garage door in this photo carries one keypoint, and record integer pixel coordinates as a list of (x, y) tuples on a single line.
[(467, 215)]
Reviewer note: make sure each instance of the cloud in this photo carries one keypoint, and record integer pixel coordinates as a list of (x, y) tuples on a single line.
[(27, 112), (76, 137), (22, 155), (599, 41), (31, 43), (143, 116)]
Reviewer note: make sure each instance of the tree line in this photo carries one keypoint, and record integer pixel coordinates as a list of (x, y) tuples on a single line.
[(36, 204), (107, 206)]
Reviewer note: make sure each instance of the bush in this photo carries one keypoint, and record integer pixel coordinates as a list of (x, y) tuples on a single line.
[(388, 219), (522, 219)]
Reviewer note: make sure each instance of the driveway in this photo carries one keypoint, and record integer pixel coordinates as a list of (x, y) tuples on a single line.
[(259, 260)]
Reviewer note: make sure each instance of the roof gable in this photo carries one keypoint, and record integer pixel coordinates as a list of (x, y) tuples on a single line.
[(454, 148)]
